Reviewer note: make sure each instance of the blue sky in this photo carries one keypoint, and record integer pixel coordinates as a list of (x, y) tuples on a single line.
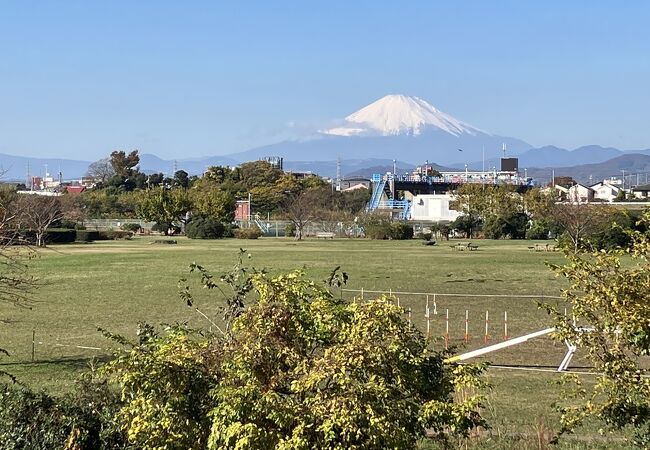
[(79, 79)]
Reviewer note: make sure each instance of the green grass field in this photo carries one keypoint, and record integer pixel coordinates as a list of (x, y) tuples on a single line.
[(114, 285)]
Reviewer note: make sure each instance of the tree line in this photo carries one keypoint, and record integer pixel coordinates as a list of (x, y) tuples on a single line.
[(499, 211), (124, 191)]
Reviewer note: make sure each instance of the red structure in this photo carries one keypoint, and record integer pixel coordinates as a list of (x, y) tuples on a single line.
[(243, 210), (75, 189)]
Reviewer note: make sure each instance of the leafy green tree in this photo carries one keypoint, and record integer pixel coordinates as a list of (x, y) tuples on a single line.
[(620, 196), (209, 201), (513, 225), (181, 179), (467, 224), (499, 207), (162, 205), (610, 322), (155, 179), (218, 174), (580, 221), (258, 173), (124, 165)]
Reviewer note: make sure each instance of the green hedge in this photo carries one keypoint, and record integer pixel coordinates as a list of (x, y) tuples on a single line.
[(132, 227), (60, 235), (96, 235), (51, 236), (87, 235), (248, 233), (204, 228), (113, 235), (380, 228)]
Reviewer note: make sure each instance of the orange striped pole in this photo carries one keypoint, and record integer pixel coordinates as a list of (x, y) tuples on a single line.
[(447, 331), (466, 325)]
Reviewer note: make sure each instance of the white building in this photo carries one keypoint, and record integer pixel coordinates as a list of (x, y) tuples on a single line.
[(604, 191), (433, 207), (579, 193), (641, 191)]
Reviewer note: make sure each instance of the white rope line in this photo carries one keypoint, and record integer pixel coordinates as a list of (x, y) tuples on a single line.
[(76, 337), (69, 345), (540, 369), (452, 295)]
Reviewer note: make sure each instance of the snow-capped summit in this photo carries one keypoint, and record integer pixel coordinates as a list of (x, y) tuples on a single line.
[(394, 115)]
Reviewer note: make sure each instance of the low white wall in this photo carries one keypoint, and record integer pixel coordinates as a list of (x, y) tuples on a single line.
[(433, 207)]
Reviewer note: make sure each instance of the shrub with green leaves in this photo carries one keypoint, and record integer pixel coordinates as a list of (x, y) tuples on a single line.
[(303, 369), (290, 230), (82, 420), (132, 227), (165, 381), (204, 228), (248, 233), (400, 231)]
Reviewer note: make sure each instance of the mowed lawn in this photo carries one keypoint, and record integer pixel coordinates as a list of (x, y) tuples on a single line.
[(115, 285)]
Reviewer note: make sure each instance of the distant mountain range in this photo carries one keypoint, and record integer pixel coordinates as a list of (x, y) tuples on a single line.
[(631, 166), (404, 128), (551, 156), (15, 168)]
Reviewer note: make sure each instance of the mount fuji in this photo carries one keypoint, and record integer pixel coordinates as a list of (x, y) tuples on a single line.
[(394, 127), (395, 115)]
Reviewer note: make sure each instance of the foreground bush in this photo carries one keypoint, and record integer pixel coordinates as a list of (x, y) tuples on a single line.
[(204, 228), (298, 369), (83, 421)]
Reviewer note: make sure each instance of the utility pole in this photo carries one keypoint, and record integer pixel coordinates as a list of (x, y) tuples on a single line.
[(338, 173), (623, 170), (392, 184)]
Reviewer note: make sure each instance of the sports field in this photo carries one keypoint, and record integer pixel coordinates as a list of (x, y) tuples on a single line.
[(115, 285)]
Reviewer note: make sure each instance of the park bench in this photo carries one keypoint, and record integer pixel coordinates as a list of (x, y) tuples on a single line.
[(472, 247), (325, 235)]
